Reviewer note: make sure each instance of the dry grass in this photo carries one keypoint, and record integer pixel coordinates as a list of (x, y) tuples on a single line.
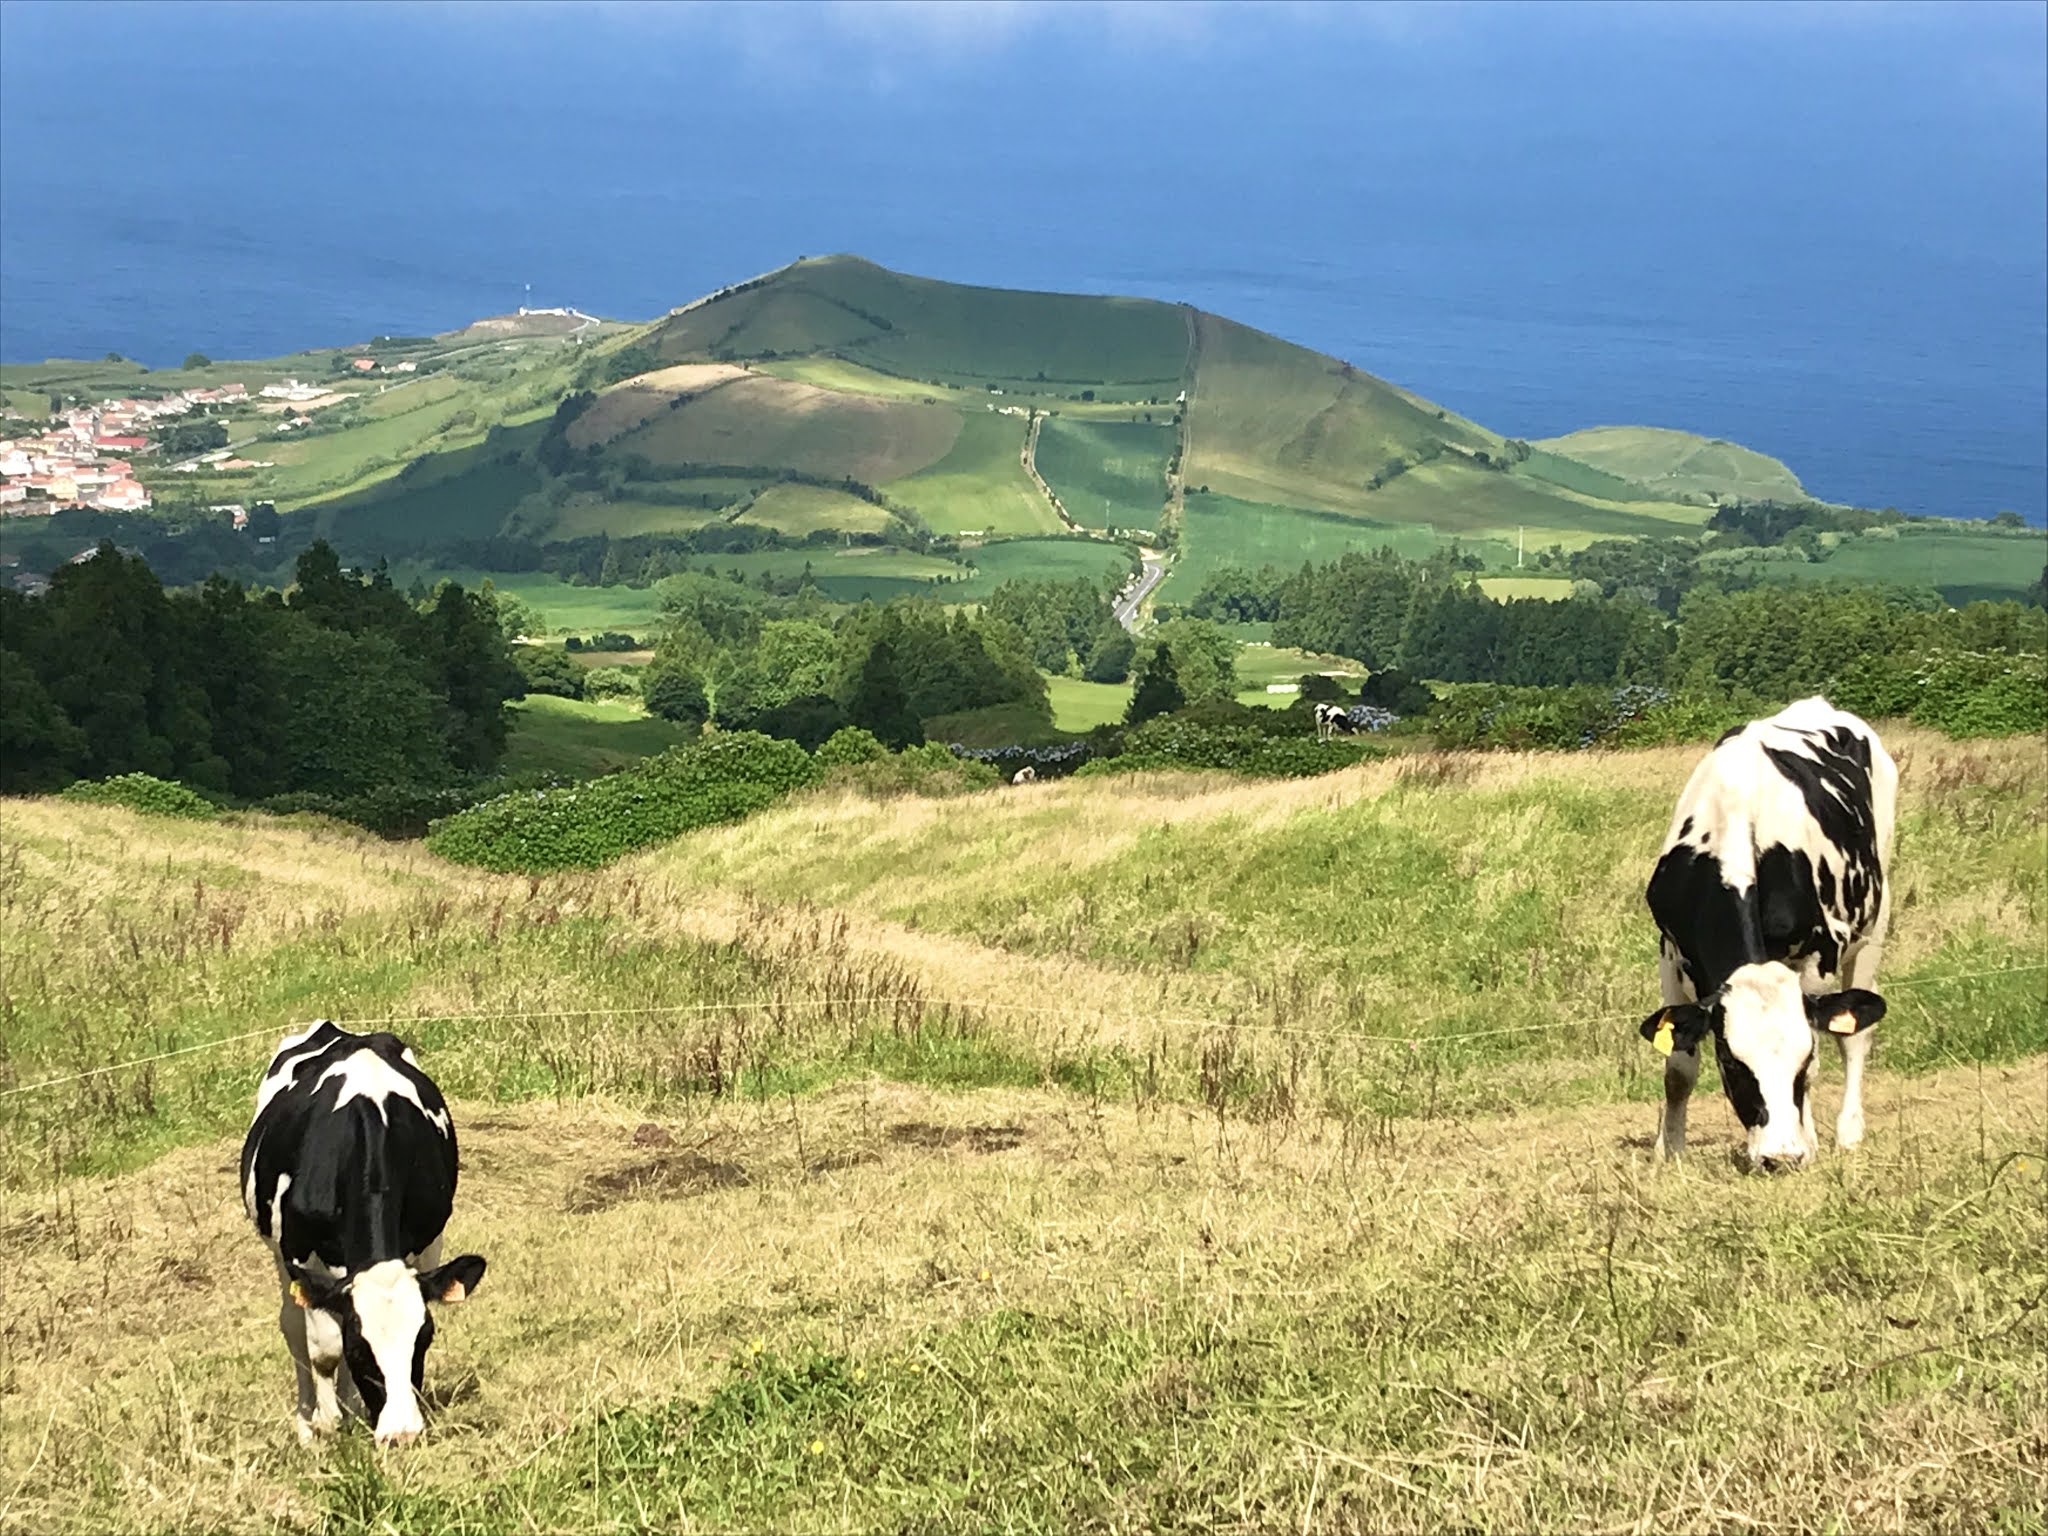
[(1850, 1347), (1101, 1044)]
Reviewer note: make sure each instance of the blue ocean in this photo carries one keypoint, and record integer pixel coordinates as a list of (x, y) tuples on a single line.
[(1819, 231)]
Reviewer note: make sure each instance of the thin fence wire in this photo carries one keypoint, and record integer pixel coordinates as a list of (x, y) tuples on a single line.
[(924, 1002)]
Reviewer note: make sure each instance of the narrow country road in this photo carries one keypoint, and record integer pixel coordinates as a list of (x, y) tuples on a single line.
[(1133, 598)]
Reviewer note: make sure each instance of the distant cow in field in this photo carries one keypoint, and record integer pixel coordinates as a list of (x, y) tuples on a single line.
[(1024, 775), (1772, 902), (1333, 720), (349, 1172)]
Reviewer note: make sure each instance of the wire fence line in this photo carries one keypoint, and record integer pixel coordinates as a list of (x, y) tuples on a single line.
[(926, 1002)]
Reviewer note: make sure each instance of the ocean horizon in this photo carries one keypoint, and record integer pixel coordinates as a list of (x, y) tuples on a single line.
[(1825, 238)]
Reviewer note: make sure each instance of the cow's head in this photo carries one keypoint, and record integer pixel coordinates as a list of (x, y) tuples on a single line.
[(1763, 1027), (385, 1331)]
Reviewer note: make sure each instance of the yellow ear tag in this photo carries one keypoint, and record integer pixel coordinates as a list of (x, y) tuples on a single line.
[(1662, 1039), (1843, 1023), (299, 1294), (456, 1291)]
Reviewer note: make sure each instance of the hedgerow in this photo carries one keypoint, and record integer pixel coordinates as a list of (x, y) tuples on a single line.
[(143, 792), (583, 826), (1175, 742)]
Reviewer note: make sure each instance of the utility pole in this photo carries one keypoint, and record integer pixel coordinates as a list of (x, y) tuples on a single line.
[(1518, 548)]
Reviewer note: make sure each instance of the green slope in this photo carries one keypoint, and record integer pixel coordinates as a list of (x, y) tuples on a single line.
[(1679, 463)]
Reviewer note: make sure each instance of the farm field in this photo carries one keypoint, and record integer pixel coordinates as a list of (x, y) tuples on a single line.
[(980, 485), (801, 510), (1106, 474), (565, 609), (1079, 705), (1221, 530), (1189, 1166), (1263, 664), (1550, 588), (1965, 566), (1679, 463), (584, 737), (1056, 559), (762, 422)]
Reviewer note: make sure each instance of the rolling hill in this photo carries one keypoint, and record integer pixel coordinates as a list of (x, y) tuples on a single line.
[(836, 397)]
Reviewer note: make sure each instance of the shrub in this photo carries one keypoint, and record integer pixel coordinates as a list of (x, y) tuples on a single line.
[(930, 769), (611, 683), (145, 793), (850, 744), (1177, 742), (674, 694), (1981, 693), (584, 826)]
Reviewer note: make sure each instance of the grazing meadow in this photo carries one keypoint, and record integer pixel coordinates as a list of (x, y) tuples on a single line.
[(1166, 1151)]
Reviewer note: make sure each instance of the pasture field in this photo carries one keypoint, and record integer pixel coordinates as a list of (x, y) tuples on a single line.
[(407, 514), (1258, 665), (980, 485), (799, 510), (1162, 1152), (1551, 588), (1106, 474), (917, 328), (760, 421), (1067, 559), (1079, 705), (565, 609), (1222, 530), (585, 737), (586, 514), (1679, 463), (850, 575), (1964, 564), (1458, 497)]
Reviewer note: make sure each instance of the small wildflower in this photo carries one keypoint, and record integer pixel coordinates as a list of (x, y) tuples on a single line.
[(757, 1346), (817, 1447), (860, 1373), (983, 1277)]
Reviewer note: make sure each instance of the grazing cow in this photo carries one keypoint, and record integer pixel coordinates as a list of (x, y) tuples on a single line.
[(1024, 775), (1334, 720), (349, 1172), (1772, 901)]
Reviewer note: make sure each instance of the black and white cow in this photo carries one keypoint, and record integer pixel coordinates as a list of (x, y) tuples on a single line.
[(1024, 775), (349, 1171), (1772, 901), (1334, 720)]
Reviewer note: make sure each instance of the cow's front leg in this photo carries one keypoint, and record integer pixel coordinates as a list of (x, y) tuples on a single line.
[(1681, 1071), (1849, 1123), (319, 1374)]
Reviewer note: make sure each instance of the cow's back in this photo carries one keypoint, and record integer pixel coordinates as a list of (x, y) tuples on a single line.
[(1778, 847), (352, 1154)]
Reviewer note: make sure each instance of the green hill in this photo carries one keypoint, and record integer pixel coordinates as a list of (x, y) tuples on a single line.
[(836, 397), (1679, 463)]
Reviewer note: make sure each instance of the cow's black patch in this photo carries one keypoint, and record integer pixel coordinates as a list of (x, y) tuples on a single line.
[(1712, 925), (1741, 1086), (370, 1180)]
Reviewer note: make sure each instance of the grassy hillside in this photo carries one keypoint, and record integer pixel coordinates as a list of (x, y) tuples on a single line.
[(1106, 474), (1137, 1152), (1964, 564), (1680, 463)]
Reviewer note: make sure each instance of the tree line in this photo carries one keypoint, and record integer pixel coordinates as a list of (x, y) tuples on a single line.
[(341, 687)]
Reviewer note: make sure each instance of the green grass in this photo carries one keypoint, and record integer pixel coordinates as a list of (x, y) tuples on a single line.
[(1964, 565), (1062, 559), (585, 737), (587, 515), (798, 510), (1457, 497), (416, 513), (918, 328), (565, 609), (980, 485), (772, 423), (999, 725), (1221, 530), (1679, 463), (1172, 1152), (1263, 664), (1106, 474), (1078, 705)]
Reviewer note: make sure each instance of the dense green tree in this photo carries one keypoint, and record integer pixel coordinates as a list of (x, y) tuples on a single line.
[(1158, 691), (1204, 658), (544, 669), (879, 703), (1110, 656), (672, 693), (197, 360)]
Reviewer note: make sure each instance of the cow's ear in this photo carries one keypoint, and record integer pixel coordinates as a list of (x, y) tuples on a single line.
[(1845, 1013), (318, 1295), (453, 1281), (1680, 1027)]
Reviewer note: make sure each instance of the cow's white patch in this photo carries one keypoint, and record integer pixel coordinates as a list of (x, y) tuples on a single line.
[(285, 1061), (1766, 1030), (366, 1075), (284, 1182), (391, 1311)]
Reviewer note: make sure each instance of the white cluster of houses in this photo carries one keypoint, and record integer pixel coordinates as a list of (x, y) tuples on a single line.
[(80, 458)]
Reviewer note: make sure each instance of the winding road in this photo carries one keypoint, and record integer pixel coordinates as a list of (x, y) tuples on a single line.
[(1132, 598)]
